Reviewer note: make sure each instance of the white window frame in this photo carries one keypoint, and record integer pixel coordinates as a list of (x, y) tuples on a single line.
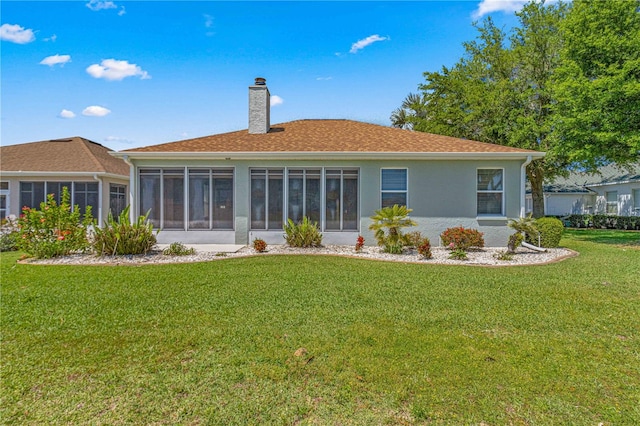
[(612, 204), (4, 213), (501, 191), (395, 191), (635, 194)]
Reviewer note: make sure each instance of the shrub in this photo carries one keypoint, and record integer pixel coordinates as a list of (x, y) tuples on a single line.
[(550, 229), (462, 238), (303, 234), (121, 237), (387, 224), (178, 249), (424, 248), (55, 229), (259, 245), (9, 235), (359, 243), (458, 254)]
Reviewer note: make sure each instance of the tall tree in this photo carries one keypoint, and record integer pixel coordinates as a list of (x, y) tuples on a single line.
[(499, 92), (597, 86)]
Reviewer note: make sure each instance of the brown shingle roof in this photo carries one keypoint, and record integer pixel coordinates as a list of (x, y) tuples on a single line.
[(61, 155), (330, 136)]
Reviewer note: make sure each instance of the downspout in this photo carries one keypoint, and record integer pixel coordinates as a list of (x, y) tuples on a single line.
[(100, 200), (523, 186), (132, 175)]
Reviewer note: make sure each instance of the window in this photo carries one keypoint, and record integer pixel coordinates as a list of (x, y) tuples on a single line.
[(267, 199), (612, 202), (211, 199), (394, 187), (82, 194), (490, 195), (86, 194), (304, 195), (4, 199), (150, 195), (341, 200), (117, 199), (636, 201), (31, 194), (209, 203), (173, 198)]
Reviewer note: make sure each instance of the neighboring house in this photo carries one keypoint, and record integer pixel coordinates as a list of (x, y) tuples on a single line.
[(30, 171), (613, 190), (235, 187)]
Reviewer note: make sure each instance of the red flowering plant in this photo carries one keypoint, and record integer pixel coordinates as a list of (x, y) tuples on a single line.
[(460, 238), (54, 229), (359, 243)]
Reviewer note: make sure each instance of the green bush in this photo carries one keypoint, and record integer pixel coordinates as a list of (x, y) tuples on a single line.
[(387, 224), (178, 249), (121, 237), (55, 229), (458, 254), (462, 238), (303, 234), (550, 229)]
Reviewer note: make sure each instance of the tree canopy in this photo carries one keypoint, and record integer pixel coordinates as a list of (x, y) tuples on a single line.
[(565, 80)]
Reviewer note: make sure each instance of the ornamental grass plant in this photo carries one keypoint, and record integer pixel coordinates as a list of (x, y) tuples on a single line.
[(121, 237)]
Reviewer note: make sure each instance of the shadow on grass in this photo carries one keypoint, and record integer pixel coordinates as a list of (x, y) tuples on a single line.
[(606, 236)]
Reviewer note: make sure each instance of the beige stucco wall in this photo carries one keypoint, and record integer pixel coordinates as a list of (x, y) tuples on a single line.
[(442, 194)]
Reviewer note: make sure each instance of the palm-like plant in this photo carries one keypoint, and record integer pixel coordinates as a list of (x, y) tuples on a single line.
[(412, 110), (388, 223), (523, 226)]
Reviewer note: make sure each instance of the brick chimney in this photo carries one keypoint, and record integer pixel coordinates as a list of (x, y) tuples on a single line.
[(259, 107)]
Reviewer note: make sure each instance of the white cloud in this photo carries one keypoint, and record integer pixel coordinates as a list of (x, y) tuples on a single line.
[(95, 111), (118, 139), (97, 5), (489, 6), (208, 20), (361, 44), (52, 38), (16, 34), (55, 60), (111, 69), (276, 100), (65, 113), (323, 78), (122, 11)]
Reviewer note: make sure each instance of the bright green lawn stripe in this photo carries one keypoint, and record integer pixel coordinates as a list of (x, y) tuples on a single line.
[(214, 342)]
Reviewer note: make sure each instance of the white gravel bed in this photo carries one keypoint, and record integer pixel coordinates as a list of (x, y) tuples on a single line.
[(486, 257)]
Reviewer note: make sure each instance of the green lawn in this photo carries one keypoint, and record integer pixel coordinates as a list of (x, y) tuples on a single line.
[(387, 343)]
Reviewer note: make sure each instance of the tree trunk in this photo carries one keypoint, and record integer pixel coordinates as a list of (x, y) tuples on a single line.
[(536, 176)]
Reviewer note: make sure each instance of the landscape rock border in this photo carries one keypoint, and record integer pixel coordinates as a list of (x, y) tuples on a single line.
[(483, 257)]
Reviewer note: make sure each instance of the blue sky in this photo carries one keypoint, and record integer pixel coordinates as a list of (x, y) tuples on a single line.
[(129, 74)]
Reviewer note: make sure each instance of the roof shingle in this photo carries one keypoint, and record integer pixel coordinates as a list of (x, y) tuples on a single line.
[(330, 136), (74, 154)]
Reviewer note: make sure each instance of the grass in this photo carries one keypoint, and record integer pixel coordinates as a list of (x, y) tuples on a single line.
[(386, 343)]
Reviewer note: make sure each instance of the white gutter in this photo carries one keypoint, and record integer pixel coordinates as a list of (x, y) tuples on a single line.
[(132, 178), (523, 186), (321, 155)]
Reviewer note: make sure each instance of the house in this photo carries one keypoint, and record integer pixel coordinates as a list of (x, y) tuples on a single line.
[(235, 187), (30, 171), (613, 190)]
